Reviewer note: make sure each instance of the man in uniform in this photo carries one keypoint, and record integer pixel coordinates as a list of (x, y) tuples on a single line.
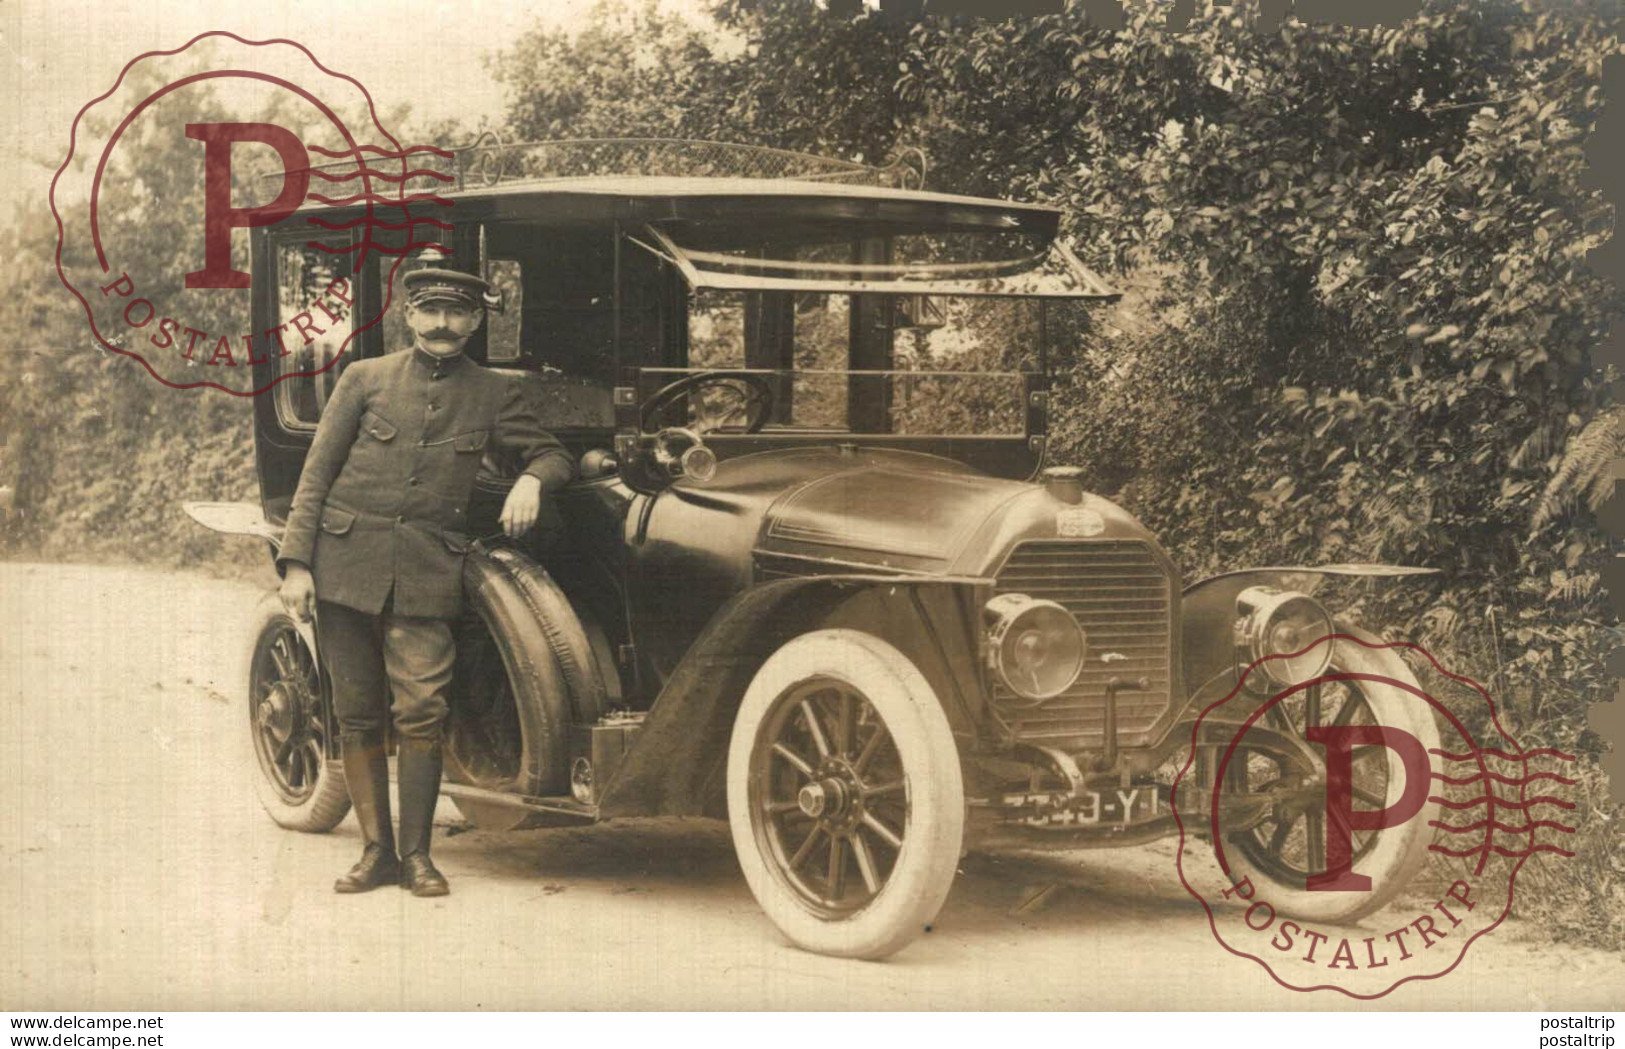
[(374, 547)]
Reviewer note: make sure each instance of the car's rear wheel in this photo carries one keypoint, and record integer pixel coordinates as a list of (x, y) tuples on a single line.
[(288, 726), (845, 795), (1282, 852)]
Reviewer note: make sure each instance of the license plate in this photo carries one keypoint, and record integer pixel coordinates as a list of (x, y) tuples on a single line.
[(1091, 808)]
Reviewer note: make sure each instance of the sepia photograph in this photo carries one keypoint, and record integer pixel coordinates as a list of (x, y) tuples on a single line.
[(811, 505)]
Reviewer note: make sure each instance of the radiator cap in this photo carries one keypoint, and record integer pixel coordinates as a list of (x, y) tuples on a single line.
[(1064, 482)]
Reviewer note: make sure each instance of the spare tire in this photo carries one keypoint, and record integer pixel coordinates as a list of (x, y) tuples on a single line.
[(562, 629), (524, 674)]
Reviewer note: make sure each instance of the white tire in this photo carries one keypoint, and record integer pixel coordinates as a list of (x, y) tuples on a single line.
[(849, 841), (1390, 857)]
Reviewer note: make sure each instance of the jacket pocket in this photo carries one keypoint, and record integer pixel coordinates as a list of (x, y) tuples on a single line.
[(457, 542), (336, 521), (473, 441), (378, 426)]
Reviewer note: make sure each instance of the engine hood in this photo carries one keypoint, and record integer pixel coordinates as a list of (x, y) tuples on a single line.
[(833, 511), (914, 513)]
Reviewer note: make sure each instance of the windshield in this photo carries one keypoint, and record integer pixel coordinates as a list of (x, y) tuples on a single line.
[(952, 366)]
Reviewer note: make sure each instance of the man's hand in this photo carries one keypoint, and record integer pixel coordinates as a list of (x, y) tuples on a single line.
[(524, 505), (298, 592)]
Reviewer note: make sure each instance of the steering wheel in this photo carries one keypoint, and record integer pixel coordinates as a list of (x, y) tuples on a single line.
[(716, 399)]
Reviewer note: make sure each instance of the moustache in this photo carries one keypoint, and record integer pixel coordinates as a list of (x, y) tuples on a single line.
[(441, 333)]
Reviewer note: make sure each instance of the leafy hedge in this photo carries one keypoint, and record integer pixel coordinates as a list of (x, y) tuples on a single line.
[(97, 456)]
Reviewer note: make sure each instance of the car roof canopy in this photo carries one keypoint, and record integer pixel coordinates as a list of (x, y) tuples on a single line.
[(1047, 269), (694, 202)]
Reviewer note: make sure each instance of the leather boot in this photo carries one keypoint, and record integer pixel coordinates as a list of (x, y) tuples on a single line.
[(366, 774), (417, 769)]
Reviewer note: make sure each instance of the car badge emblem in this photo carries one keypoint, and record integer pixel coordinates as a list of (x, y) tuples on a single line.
[(1079, 522)]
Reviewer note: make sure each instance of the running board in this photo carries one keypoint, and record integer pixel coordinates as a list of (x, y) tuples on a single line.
[(568, 807), (562, 806)]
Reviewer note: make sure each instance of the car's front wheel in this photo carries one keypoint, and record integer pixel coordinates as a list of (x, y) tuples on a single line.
[(1289, 847), (845, 795)]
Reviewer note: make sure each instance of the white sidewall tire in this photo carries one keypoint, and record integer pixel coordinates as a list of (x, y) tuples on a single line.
[(1400, 852), (935, 828), (327, 805)]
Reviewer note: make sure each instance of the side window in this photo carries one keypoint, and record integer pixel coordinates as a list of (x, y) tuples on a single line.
[(505, 329), (821, 383), (315, 315), (811, 387)]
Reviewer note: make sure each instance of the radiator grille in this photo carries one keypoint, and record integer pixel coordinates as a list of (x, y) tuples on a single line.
[(1124, 600)]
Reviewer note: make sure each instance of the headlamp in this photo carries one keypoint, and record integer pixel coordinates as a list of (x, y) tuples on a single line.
[(1035, 646), (1279, 623)]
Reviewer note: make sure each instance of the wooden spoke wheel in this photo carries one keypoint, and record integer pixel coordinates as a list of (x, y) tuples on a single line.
[(1283, 851), (828, 796), (844, 795), (288, 727), (1291, 843)]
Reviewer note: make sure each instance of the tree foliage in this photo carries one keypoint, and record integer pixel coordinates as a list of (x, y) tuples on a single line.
[(97, 455)]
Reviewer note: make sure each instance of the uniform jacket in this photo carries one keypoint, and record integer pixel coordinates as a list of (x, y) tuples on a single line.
[(382, 502)]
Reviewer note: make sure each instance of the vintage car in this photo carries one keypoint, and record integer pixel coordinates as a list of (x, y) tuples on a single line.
[(818, 576)]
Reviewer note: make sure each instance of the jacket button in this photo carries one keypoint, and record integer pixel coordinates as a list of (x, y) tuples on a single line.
[(414, 482), (400, 520)]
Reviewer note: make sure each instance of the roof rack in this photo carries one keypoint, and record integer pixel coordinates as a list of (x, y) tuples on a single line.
[(488, 162)]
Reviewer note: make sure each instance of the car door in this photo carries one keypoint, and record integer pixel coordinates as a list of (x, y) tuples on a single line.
[(306, 301)]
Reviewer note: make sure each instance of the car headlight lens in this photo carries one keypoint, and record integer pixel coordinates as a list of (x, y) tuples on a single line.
[(1281, 623), (1036, 646)]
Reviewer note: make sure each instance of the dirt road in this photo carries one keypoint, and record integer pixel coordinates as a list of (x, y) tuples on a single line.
[(140, 873)]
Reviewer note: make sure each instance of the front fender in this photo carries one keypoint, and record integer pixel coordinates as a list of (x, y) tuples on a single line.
[(677, 765), (235, 519), (1208, 608)]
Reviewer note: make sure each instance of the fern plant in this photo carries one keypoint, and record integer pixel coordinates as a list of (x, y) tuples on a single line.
[(1586, 471)]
